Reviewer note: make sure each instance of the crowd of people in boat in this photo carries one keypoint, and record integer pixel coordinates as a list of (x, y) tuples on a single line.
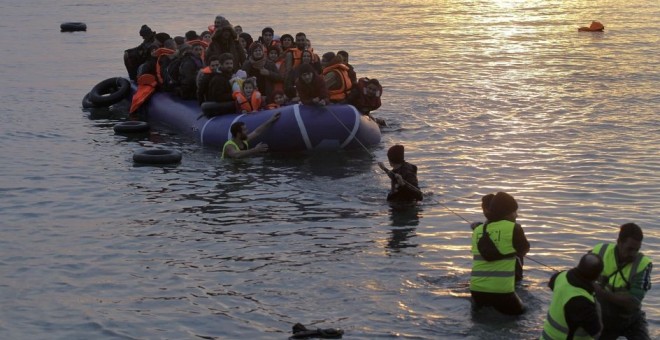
[(227, 71)]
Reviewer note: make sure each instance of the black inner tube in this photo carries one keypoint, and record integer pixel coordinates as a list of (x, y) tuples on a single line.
[(110, 91), (73, 27)]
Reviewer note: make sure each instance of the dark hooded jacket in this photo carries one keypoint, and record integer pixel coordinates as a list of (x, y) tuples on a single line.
[(219, 46), (316, 88), (404, 194)]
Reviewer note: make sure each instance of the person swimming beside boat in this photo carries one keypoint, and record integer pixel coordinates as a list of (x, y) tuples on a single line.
[(238, 146)]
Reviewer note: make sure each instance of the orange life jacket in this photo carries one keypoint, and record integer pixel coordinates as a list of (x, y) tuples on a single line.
[(297, 56), (160, 53), (594, 27), (272, 106), (346, 84), (146, 86), (252, 105)]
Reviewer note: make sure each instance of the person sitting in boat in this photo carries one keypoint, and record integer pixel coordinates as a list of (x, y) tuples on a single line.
[(225, 40), (404, 186), (276, 100), (266, 39), (245, 39), (336, 77), (351, 70), (247, 95), (214, 63), (239, 144), (311, 87), (205, 37), (164, 57), (191, 63), (276, 56), (191, 36), (366, 97), (286, 42), (136, 56), (215, 86), (316, 61), (293, 56), (293, 75), (218, 22), (238, 29), (149, 65), (262, 69)]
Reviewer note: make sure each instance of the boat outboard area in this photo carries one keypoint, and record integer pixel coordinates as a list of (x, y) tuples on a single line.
[(200, 85)]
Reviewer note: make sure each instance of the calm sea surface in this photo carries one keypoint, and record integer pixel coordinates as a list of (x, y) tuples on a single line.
[(486, 95)]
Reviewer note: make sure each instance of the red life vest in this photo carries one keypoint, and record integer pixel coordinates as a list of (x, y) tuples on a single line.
[(297, 56), (159, 53), (367, 102), (252, 105), (146, 86), (346, 85)]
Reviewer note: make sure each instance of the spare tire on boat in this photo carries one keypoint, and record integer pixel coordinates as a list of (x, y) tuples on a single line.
[(109, 91), (73, 27), (157, 156), (131, 126)]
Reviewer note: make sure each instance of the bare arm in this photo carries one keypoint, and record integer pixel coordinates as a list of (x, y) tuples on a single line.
[(232, 152), (263, 127)]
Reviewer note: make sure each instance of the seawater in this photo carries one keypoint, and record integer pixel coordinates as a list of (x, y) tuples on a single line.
[(485, 95)]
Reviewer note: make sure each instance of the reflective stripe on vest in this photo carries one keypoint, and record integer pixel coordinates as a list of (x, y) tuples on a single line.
[(494, 276), (231, 142), (555, 326), (612, 274)]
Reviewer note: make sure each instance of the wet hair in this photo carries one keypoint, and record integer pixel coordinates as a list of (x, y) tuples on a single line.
[(236, 128), (286, 36), (301, 34), (630, 230), (590, 266)]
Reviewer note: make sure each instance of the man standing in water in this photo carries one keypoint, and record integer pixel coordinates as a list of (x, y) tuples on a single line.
[(238, 146), (573, 312), (623, 284), (492, 282), (405, 188)]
